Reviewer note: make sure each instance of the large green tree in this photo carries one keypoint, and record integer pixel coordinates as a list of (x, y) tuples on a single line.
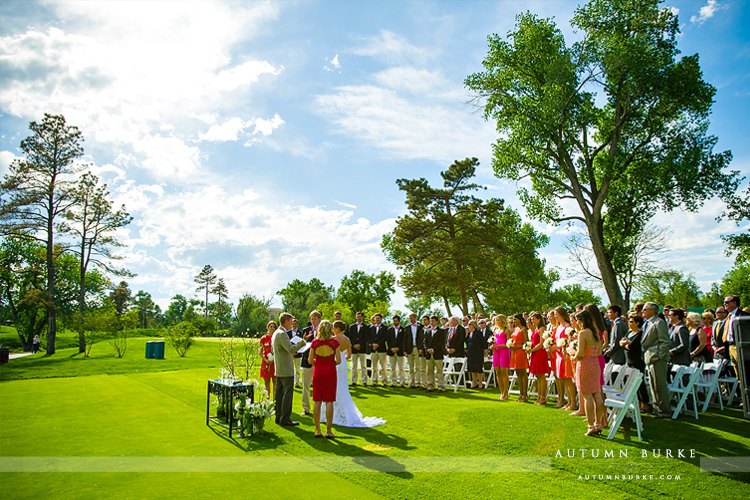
[(206, 280), (455, 247), (616, 123), (92, 221), (38, 191), (670, 287), (299, 298), (360, 290)]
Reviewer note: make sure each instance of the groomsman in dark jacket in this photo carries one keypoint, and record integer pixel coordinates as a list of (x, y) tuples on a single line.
[(615, 352), (679, 339), (413, 340), (379, 336), (456, 339), (359, 335), (396, 350), (734, 317), (434, 350)]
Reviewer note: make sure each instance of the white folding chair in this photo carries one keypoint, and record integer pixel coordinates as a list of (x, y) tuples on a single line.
[(708, 383), (684, 389), (620, 381), (513, 381), (625, 403), (455, 375), (608, 373), (730, 384), (551, 386), (489, 373)]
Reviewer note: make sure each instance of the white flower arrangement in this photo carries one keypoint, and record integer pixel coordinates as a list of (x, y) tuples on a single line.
[(269, 358), (509, 343), (572, 349), (491, 341), (548, 342), (561, 342), (528, 346)]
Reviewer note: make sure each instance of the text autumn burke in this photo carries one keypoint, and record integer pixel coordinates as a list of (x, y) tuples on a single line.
[(623, 453)]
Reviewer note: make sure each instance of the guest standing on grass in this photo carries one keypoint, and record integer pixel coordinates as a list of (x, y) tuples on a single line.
[(324, 356), (655, 343), (563, 367), (518, 359), (267, 366), (283, 352), (539, 361), (475, 346), (587, 372), (634, 356), (501, 354)]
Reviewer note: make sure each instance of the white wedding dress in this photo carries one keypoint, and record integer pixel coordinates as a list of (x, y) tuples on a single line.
[(345, 412)]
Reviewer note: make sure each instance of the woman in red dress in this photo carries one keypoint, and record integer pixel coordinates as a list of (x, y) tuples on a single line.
[(324, 356), (518, 359), (267, 366), (563, 366), (539, 363)]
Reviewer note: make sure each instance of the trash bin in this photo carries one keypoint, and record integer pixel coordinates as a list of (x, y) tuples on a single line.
[(150, 349), (4, 354), (159, 349)]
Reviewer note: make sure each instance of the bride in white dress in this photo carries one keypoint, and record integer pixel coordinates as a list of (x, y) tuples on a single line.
[(345, 412)]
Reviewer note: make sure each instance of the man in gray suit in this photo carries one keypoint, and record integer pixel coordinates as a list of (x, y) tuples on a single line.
[(655, 343), (283, 355)]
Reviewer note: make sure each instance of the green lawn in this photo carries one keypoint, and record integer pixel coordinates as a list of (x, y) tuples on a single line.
[(67, 406)]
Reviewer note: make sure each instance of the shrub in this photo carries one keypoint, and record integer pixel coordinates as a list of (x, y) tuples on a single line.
[(180, 336)]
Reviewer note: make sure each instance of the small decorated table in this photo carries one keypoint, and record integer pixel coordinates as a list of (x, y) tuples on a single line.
[(227, 392)]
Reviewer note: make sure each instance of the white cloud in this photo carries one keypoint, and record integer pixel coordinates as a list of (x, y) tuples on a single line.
[(6, 158), (707, 12), (265, 127), (227, 131), (392, 48), (335, 64)]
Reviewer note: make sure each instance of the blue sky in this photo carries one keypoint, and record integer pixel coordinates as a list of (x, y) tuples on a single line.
[(265, 138)]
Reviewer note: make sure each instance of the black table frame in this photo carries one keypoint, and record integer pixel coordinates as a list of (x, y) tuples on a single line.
[(228, 392)]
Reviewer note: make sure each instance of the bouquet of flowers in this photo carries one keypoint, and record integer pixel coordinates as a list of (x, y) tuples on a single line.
[(562, 342), (546, 335), (528, 346), (509, 343), (573, 348), (491, 341), (548, 342), (269, 358)]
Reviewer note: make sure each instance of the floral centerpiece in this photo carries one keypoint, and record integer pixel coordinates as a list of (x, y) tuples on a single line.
[(252, 416)]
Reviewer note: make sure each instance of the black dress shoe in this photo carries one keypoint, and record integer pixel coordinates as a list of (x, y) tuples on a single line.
[(289, 423)]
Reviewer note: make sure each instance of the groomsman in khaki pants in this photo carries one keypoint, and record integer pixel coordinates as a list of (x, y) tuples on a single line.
[(379, 334), (395, 352), (413, 339), (434, 350)]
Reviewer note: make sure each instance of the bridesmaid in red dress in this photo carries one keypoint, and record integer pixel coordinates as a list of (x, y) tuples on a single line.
[(518, 359), (563, 366), (539, 363), (267, 366), (587, 372), (324, 356)]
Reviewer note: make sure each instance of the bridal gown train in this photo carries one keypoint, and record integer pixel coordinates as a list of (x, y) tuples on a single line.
[(345, 412)]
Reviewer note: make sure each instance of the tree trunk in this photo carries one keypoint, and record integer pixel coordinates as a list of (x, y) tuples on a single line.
[(609, 277), (52, 320), (477, 303), (447, 306)]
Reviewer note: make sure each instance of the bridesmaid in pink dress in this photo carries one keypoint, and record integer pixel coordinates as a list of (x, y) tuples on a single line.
[(563, 366), (501, 354), (601, 329), (587, 372), (539, 363)]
